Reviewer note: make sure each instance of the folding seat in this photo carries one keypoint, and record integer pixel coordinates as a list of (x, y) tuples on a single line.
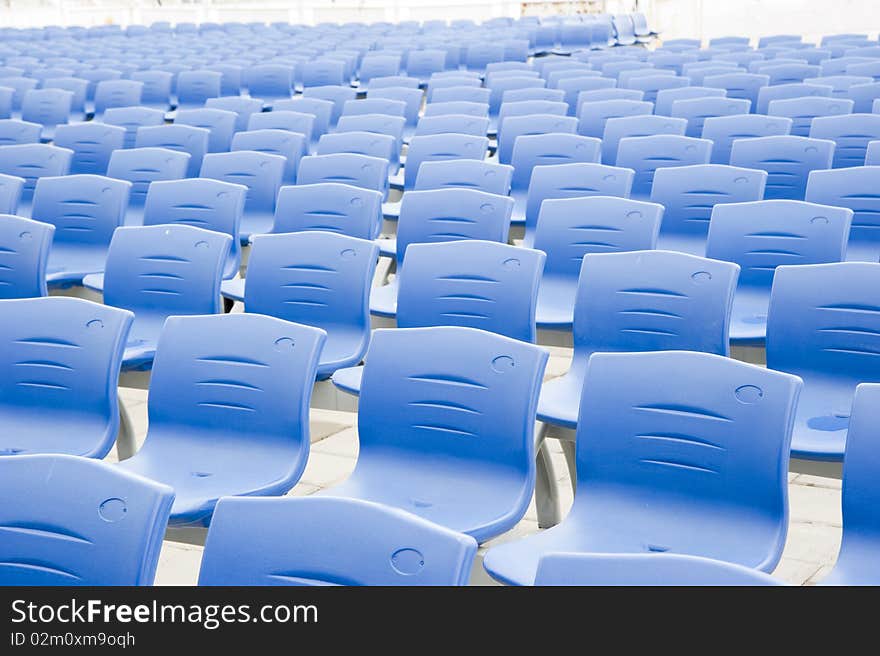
[(199, 392), (241, 106), (689, 195), (459, 482), (11, 188), (412, 99), (182, 138), (329, 207), (741, 58), (290, 145), (156, 92), (697, 110), (452, 123), (220, 124), (725, 130), (438, 215), (644, 569), (202, 203), (864, 97), (380, 106), (673, 61), (117, 93), (338, 95), (436, 147), (323, 72), (158, 272), (32, 162), (14, 131), (593, 114), (520, 95), (85, 210), (738, 85), (856, 564), (760, 236), (480, 54), (638, 301), (639, 394), (788, 161), (133, 118), (379, 124), (322, 110), (616, 67), (851, 133), (854, 188), (141, 167), (526, 107), (261, 173), (457, 94), (60, 377), (822, 326), (617, 128), (68, 521), (24, 254), (269, 82), (469, 174)]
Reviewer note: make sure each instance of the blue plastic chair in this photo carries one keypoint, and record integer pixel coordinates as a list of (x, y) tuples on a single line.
[(855, 188), (499, 86), (864, 96), (647, 155), (242, 106), (20, 85), (142, 166), (618, 128), (85, 210), (380, 146), (412, 99), (415, 457), (594, 114), (436, 147), (725, 130), (466, 173), (572, 181), (454, 124), (788, 161), (346, 168), (290, 145), (228, 410), (261, 173), (644, 569), (823, 326), (640, 301), (697, 110), (323, 72), (570, 228), (798, 90), (32, 162), (689, 194), (181, 138), (458, 82), (738, 85), (802, 111), (851, 133), (338, 95), (467, 107), (116, 93), (329, 207), (15, 132), (133, 118), (208, 204), (572, 87), (440, 215), (67, 527), (762, 235), (157, 272), (392, 126), (647, 484), (789, 73), (156, 90), (24, 255), (48, 108), (195, 87), (269, 82), (652, 84), (530, 124), (60, 375), (297, 122), (665, 97), (381, 106), (322, 110), (377, 65), (856, 564), (220, 124), (393, 547), (526, 107), (92, 144)]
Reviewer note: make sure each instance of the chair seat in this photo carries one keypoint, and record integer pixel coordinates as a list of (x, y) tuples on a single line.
[(348, 379), (822, 418), (391, 211), (256, 223), (482, 504), (383, 300), (748, 317), (75, 434), (203, 471), (396, 181), (134, 215), (94, 281), (343, 349), (73, 265), (387, 247), (555, 309), (560, 399), (233, 289), (139, 353)]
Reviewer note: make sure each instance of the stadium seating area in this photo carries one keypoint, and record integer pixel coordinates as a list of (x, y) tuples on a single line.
[(402, 218)]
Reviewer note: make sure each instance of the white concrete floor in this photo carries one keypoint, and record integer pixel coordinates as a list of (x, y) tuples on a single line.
[(813, 536)]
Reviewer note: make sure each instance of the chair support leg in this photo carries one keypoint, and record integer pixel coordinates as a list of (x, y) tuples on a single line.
[(126, 444), (546, 492)]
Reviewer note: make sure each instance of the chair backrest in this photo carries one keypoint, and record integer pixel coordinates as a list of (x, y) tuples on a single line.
[(510, 109), (20, 85), (417, 382), (467, 107), (24, 253), (666, 97), (697, 110), (573, 181), (241, 105), (117, 93), (269, 81), (824, 318), (441, 147), (338, 95), (283, 120), (261, 173), (422, 63), (14, 131), (141, 166), (532, 124), (725, 130), (323, 72), (47, 107), (321, 109), (380, 146), (466, 173), (800, 90), (92, 144), (739, 85), (787, 159), (34, 161), (637, 446), (855, 188), (621, 127), (762, 235), (329, 207), (530, 151), (67, 528), (220, 123), (851, 133), (451, 214), (249, 543), (647, 155), (11, 188), (377, 123), (652, 301), (133, 118), (156, 91), (316, 278), (293, 146), (165, 270), (863, 97), (61, 358), (182, 138), (481, 284), (412, 99), (347, 168), (195, 87), (537, 93), (202, 203), (474, 126)]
